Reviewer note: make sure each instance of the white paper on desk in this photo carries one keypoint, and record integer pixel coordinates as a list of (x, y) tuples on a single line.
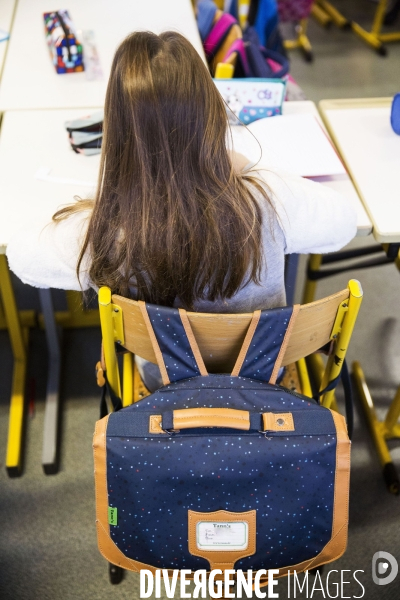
[(294, 143)]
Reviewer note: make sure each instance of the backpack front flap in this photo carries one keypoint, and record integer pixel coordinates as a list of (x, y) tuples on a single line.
[(222, 471)]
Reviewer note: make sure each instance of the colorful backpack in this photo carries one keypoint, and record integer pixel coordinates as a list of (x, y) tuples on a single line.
[(253, 59), (225, 471)]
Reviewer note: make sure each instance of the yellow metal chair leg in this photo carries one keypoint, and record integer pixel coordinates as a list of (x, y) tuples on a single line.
[(19, 340), (79, 316), (301, 41), (76, 315), (325, 14), (392, 429), (304, 378), (335, 360), (140, 391), (27, 318), (375, 37), (378, 429), (372, 37), (310, 286), (107, 332), (316, 366), (128, 381), (320, 15)]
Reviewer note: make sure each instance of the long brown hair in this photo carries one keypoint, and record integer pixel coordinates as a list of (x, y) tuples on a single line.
[(171, 218)]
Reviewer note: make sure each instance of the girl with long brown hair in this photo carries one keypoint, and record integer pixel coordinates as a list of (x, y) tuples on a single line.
[(177, 219)]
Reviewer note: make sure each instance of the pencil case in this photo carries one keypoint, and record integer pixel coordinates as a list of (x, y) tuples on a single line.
[(65, 50), (86, 133)]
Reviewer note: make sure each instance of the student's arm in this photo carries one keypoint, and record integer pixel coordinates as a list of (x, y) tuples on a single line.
[(239, 161), (45, 255), (314, 218)]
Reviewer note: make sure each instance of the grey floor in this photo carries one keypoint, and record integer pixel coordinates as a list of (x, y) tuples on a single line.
[(47, 542)]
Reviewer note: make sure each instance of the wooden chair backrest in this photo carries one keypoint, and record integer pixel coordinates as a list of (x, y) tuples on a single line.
[(220, 336)]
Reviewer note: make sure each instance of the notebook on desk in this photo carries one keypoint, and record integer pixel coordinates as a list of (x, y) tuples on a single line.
[(293, 143)]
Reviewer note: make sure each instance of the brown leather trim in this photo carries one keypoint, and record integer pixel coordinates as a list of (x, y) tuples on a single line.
[(154, 343), (101, 382), (222, 559), (192, 341), (278, 362), (155, 424), (186, 418), (246, 343), (342, 475), (272, 422)]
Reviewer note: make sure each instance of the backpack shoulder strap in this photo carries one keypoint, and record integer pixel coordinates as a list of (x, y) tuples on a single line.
[(174, 344), (265, 343), (238, 46)]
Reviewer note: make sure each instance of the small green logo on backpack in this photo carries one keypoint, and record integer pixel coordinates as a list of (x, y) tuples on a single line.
[(112, 515)]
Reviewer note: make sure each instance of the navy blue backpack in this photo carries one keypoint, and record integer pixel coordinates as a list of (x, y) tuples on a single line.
[(221, 471)]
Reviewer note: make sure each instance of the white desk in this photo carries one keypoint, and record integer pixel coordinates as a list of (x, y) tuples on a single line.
[(371, 151), (340, 183), (30, 140), (33, 139), (29, 78)]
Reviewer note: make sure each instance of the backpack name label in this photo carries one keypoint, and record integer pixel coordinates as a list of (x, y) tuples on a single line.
[(232, 535), (112, 515)]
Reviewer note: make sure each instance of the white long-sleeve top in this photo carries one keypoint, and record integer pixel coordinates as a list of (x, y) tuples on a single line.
[(308, 218)]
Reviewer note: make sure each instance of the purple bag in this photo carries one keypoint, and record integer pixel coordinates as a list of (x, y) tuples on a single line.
[(294, 10)]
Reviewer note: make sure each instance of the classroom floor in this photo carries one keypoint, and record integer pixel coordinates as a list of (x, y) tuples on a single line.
[(48, 545)]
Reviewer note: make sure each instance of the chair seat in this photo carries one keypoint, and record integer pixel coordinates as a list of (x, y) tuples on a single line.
[(291, 379)]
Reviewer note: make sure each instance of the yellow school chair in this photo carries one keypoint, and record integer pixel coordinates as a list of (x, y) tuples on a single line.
[(375, 37), (18, 324), (387, 429), (220, 336), (325, 14), (301, 40), (381, 431)]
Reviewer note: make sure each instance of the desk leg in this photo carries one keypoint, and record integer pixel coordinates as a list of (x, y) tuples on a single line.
[(19, 342), (375, 37), (75, 315), (381, 431), (291, 265), (325, 13), (51, 415)]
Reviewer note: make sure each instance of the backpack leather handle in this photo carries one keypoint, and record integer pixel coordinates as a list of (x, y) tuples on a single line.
[(231, 418), (189, 418)]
